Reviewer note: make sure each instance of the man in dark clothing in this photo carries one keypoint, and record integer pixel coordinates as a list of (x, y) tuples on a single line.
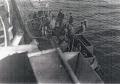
[(70, 38), (70, 19), (85, 23), (60, 17), (81, 29), (34, 15), (46, 24), (40, 13)]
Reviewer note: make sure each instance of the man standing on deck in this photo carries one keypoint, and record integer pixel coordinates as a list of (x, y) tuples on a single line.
[(70, 38), (60, 17), (52, 22), (70, 19), (34, 15), (46, 24), (80, 29)]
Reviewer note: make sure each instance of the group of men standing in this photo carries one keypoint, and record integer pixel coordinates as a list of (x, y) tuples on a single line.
[(60, 18), (71, 32), (51, 22)]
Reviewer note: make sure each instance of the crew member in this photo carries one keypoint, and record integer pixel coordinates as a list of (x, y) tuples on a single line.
[(70, 38), (52, 22), (70, 19), (34, 15), (46, 23), (40, 13), (85, 23), (81, 28), (60, 17)]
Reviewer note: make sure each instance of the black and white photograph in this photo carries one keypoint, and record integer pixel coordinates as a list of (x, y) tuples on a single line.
[(59, 41)]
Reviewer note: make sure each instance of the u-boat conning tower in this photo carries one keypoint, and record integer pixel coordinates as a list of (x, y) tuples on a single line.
[(25, 63)]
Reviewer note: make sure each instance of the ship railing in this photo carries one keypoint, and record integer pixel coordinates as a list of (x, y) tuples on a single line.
[(84, 40), (77, 65), (84, 50)]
